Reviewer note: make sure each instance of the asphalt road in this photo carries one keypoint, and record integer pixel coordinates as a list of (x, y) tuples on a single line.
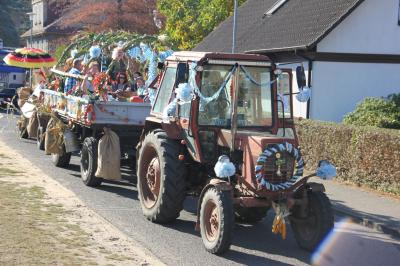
[(179, 244)]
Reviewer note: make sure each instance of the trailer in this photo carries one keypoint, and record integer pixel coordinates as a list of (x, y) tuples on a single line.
[(86, 119)]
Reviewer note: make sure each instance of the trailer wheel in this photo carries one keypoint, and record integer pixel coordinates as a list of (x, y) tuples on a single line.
[(61, 160), (40, 138), (310, 231), (250, 215), (216, 220), (161, 178), (89, 162), (23, 132)]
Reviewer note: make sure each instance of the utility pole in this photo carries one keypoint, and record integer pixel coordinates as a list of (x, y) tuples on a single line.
[(234, 26)]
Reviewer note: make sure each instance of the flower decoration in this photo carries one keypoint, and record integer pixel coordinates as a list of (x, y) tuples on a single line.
[(55, 84), (101, 85), (135, 52)]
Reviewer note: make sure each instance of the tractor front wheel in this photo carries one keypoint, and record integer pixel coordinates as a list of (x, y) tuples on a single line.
[(216, 220), (309, 231)]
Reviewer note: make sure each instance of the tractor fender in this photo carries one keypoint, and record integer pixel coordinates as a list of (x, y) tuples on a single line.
[(315, 186), (218, 184), (309, 187)]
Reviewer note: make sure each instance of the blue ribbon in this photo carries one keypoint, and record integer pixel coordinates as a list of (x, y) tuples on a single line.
[(204, 99), (249, 77)]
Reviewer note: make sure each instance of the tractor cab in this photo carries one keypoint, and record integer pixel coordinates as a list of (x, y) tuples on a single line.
[(238, 105)]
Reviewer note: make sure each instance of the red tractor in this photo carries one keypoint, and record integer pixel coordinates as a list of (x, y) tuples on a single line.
[(221, 128)]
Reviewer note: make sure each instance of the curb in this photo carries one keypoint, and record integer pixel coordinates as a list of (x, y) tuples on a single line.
[(381, 227)]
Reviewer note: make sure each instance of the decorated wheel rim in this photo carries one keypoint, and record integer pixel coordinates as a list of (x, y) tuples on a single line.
[(211, 221), (150, 178), (271, 152)]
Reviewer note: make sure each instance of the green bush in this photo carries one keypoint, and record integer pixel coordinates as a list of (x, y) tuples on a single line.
[(377, 112), (365, 156)]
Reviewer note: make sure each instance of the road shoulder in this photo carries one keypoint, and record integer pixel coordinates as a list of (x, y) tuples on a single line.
[(40, 205)]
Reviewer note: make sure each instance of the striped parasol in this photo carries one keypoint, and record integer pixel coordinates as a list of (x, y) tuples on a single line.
[(29, 58)]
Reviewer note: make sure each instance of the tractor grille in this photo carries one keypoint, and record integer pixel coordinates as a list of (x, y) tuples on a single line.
[(286, 168)]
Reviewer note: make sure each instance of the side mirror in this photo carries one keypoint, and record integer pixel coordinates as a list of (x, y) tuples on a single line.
[(301, 77), (160, 65)]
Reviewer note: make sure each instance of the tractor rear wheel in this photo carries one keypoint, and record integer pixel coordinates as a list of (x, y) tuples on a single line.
[(216, 220), (161, 178), (312, 229), (250, 215), (89, 162)]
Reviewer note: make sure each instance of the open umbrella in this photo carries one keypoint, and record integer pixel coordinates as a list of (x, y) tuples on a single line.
[(29, 58)]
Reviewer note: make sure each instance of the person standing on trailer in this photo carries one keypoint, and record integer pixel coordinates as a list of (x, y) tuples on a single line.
[(75, 70)]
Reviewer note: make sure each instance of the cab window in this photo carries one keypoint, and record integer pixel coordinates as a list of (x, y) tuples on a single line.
[(284, 95), (165, 90)]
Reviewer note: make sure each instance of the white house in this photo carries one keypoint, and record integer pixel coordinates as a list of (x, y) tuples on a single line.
[(350, 48)]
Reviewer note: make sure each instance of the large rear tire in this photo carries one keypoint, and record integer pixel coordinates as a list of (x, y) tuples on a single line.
[(61, 160), (216, 220), (311, 230), (89, 162), (161, 178), (250, 215)]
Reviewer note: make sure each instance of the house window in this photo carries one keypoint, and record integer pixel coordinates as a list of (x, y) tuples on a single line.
[(278, 4), (14, 77)]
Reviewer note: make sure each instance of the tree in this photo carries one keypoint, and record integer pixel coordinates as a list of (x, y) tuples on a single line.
[(128, 15), (189, 21), (13, 20)]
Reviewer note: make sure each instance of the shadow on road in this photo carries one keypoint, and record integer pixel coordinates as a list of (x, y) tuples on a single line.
[(249, 238)]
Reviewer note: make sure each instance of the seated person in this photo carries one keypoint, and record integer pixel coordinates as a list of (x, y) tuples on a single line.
[(76, 70), (121, 83), (141, 87), (136, 75), (93, 70)]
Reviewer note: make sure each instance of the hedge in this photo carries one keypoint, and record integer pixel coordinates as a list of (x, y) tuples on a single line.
[(366, 156)]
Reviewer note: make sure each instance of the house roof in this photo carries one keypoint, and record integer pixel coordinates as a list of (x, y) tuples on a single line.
[(56, 27), (56, 20), (298, 24)]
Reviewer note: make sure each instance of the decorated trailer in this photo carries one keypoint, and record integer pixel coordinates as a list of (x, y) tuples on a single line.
[(91, 102), (89, 121)]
